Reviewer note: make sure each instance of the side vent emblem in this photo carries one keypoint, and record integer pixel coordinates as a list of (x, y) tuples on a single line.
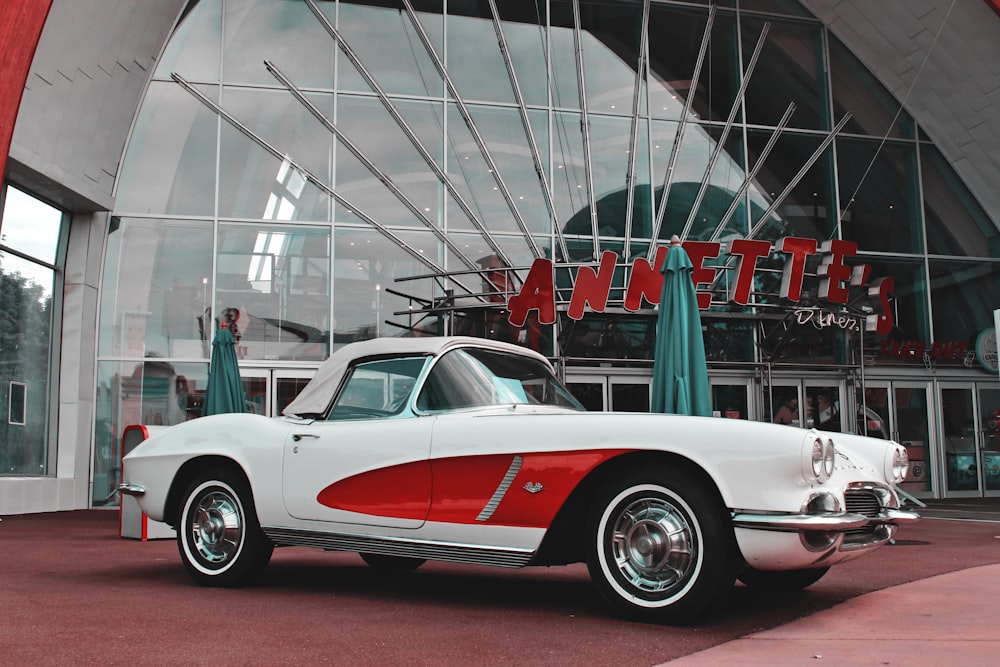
[(533, 487)]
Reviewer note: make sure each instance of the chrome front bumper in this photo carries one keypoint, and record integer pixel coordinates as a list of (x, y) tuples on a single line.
[(835, 522)]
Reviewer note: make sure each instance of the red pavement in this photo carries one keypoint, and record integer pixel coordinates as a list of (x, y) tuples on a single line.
[(73, 593)]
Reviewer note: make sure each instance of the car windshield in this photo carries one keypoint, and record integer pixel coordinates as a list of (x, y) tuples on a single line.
[(471, 377)]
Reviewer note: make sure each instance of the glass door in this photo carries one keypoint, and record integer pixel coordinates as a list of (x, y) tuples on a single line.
[(269, 391), (617, 393), (901, 411), (807, 403), (731, 397), (970, 425)]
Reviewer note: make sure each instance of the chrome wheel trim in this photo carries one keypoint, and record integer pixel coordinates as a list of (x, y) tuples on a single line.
[(650, 545), (214, 528)]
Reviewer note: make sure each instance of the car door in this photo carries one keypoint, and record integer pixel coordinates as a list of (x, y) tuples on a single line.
[(367, 471), (368, 462)]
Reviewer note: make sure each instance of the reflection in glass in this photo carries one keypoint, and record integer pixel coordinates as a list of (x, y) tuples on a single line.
[(781, 403), (273, 290), (154, 392), (959, 429), (157, 289), (193, 50), (284, 32), (730, 401), (873, 109), (963, 296), (168, 167), (956, 223)]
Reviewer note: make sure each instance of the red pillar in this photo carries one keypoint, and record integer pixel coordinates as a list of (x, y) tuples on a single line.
[(21, 24)]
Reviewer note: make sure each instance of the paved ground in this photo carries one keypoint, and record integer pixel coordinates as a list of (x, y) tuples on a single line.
[(73, 592)]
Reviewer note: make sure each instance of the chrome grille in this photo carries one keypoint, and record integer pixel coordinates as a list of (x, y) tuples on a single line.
[(863, 501)]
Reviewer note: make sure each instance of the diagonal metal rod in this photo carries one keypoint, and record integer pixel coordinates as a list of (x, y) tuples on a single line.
[(410, 134), (752, 174), (585, 128), (640, 76), (312, 178), (375, 171), (779, 200), (668, 177), (536, 156), (799, 176), (476, 136), (720, 144)]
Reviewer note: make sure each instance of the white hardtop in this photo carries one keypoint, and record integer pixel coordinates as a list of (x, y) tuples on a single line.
[(316, 396)]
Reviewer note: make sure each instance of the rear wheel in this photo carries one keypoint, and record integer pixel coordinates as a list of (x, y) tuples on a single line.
[(219, 538), (781, 580), (660, 547), (392, 563)]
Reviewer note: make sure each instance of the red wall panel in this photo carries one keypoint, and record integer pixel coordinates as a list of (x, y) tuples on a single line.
[(21, 24)]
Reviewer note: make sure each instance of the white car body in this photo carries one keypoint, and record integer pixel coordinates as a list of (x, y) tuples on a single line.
[(514, 483)]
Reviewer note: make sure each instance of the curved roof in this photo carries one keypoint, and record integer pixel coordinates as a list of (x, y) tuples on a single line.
[(315, 397)]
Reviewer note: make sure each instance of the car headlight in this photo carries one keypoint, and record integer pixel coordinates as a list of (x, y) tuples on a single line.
[(818, 457), (897, 464)]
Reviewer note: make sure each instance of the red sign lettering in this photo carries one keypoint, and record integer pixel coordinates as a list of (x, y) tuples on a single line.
[(798, 251), (593, 288), (537, 293), (748, 252)]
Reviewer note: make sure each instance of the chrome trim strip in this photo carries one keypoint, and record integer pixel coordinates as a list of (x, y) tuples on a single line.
[(841, 521), (444, 551), (131, 489), (836, 522), (508, 479)]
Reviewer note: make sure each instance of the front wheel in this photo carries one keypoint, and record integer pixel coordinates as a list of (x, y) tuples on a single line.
[(219, 538), (660, 547), (781, 581)]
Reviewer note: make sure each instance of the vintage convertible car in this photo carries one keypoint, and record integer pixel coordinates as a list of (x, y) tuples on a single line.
[(471, 451)]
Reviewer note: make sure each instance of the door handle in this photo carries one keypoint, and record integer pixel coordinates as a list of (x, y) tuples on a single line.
[(299, 436)]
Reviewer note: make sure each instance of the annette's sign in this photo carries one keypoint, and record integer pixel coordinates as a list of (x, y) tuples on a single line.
[(593, 287)]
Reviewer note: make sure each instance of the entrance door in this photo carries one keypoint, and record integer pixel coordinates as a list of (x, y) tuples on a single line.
[(269, 391), (617, 393), (731, 397), (970, 424), (808, 403), (901, 411)]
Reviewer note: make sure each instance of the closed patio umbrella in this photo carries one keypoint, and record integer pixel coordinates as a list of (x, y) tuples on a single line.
[(224, 391), (680, 373)]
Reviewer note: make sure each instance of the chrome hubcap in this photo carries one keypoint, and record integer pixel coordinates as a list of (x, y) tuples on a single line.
[(653, 545), (217, 527)]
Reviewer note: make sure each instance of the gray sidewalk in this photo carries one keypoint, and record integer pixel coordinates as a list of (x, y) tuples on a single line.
[(950, 618)]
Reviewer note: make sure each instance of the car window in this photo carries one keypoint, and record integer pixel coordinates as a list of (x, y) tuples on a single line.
[(470, 377), (376, 389)]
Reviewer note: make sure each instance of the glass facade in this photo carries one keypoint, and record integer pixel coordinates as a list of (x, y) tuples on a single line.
[(319, 172), (31, 232)]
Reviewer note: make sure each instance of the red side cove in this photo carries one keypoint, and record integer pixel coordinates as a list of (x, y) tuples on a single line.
[(463, 486)]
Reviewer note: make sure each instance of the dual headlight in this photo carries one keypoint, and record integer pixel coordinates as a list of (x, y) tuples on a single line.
[(895, 464), (818, 457)]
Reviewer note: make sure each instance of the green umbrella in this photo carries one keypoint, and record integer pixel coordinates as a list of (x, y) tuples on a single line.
[(680, 373), (224, 391)]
